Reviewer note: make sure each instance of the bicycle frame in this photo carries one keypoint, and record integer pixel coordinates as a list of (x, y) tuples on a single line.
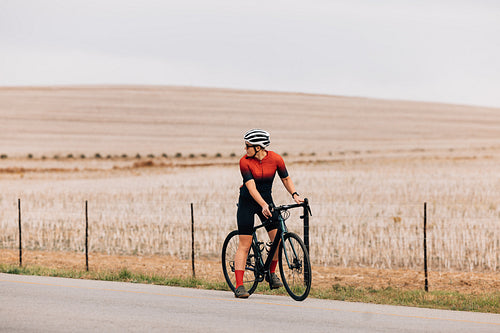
[(262, 268)]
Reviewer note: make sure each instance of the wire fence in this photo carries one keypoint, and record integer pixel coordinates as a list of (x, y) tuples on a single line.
[(341, 234)]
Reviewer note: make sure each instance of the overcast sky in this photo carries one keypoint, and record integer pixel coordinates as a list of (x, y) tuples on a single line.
[(427, 50)]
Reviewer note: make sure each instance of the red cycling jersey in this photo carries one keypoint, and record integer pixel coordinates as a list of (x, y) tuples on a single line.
[(262, 171)]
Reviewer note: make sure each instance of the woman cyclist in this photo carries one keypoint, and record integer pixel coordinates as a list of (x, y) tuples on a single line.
[(258, 168)]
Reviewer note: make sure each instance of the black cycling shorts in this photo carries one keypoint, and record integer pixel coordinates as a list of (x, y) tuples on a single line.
[(247, 208)]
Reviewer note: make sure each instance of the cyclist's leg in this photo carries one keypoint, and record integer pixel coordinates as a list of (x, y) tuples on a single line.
[(245, 217), (274, 262), (240, 257), (272, 230), (272, 235)]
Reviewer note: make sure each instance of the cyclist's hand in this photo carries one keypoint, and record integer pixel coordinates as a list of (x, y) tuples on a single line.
[(266, 212), (298, 199)]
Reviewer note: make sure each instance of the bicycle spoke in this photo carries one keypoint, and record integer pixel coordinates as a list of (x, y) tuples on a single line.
[(295, 267)]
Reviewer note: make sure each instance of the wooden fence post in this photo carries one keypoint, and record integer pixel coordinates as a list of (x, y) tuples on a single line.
[(20, 234), (86, 236), (192, 239), (425, 247)]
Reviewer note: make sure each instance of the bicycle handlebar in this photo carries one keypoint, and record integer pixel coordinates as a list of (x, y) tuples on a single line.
[(305, 204)]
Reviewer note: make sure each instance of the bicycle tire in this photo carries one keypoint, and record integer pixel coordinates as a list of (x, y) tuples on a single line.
[(228, 251), (296, 279)]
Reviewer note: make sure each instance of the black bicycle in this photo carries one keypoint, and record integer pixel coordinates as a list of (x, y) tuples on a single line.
[(293, 258)]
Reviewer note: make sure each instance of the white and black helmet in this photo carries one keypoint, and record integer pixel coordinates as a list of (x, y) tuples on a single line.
[(257, 137)]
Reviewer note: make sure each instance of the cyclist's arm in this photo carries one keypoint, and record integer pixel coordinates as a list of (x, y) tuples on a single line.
[(252, 188), (287, 181)]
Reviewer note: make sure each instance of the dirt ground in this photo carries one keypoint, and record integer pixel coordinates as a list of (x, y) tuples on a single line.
[(323, 277)]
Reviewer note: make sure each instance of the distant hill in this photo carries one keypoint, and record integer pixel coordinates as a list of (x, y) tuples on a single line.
[(157, 119)]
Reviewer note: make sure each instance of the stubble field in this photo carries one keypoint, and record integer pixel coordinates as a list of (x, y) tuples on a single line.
[(367, 167)]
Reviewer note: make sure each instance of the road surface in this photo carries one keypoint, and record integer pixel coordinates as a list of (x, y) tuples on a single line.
[(47, 304)]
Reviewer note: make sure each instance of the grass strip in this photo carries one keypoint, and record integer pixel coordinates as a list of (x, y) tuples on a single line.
[(447, 300), (437, 299)]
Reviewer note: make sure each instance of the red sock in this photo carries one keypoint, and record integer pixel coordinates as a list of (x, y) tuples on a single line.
[(273, 266), (239, 277)]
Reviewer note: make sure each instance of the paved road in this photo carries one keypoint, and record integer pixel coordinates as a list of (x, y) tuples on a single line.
[(30, 303)]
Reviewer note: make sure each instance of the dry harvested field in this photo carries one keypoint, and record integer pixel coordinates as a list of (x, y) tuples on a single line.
[(367, 166)]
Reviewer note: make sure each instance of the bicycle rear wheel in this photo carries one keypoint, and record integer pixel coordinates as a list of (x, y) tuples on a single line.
[(228, 251), (295, 267)]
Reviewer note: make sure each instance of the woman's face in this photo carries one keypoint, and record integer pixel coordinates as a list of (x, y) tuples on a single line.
[(250, 149)]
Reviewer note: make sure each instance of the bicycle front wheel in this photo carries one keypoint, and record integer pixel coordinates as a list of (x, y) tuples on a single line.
[(295, 267), (228, 251)]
